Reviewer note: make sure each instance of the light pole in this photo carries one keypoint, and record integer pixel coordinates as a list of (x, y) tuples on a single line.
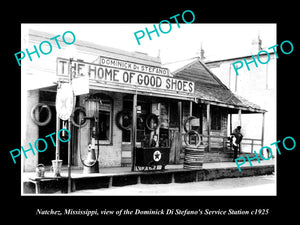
[(71, 52), (69, 128), (65, 101)]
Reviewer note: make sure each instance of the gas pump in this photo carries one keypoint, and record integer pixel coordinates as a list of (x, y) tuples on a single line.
[(91, 163)]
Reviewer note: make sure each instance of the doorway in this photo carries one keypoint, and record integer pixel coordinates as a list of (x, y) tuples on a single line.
[(175, 135)]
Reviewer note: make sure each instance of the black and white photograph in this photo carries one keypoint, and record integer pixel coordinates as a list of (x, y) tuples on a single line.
[(150, 115), (107, 115)]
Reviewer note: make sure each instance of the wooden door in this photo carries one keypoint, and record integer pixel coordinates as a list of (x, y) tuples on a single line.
[(176, 145)]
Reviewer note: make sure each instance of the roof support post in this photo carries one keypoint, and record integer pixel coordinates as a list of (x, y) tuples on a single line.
[(262, 129), (240, 117), (208, 125), (133, 132), (180, 116), (240, 124), (230, 128), (180, 130), (191, 108), (230, 123), (191, 113)]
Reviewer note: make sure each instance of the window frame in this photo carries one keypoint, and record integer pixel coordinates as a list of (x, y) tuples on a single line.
[(109, 141), (108, 100)]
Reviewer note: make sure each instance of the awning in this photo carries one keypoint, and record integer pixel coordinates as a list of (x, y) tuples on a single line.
[(37, 79)]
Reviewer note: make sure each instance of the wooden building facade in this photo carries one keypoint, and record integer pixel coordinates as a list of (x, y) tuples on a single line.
[(172, 93), (216, 104)]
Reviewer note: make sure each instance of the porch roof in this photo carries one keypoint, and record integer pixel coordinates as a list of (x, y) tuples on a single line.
[(208, 87)]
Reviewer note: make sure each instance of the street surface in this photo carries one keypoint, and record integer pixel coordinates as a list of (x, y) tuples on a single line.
[(257, 185)]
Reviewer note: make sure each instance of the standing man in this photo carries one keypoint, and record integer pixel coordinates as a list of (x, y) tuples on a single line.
[(236, 138)]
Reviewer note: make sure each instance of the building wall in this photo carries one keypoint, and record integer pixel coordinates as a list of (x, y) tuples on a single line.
[(110, 154), (258, 86), (215, 142), (31, 133), (41, 73)]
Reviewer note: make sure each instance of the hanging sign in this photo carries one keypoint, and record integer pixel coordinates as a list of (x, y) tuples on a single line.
[(80, 85), (64, 101)]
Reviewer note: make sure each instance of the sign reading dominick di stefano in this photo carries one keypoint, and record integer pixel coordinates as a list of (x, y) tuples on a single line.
[(117, 63), (119, 73)]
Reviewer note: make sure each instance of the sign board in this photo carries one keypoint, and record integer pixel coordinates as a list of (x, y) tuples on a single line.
[(124, 77), (137, 67), (80, 85), (156, 156), (64, 101), (195, 122)]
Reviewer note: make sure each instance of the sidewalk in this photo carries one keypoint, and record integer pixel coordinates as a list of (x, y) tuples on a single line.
[(122, 176), (113, 171)]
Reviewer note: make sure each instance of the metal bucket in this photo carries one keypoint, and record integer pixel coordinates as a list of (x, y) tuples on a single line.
[(56, 167)]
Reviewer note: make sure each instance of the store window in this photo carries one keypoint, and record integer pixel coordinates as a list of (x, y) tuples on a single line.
[(105, 121), (100, 106)]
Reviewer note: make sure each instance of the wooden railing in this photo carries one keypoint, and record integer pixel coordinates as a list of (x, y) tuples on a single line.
[(226, 144), (252, 141)]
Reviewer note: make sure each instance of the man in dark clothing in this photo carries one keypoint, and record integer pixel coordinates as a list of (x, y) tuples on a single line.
[(236, 138), (154, 140)]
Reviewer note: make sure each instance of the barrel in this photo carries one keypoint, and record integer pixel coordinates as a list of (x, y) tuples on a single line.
[(193, 157)]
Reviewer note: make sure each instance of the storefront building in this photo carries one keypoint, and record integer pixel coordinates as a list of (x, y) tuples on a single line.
[(124, 100)]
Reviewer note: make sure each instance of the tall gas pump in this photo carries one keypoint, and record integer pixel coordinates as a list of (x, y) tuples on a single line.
[(91, 163)]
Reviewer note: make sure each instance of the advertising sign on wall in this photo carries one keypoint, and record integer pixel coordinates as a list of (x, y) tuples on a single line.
[(126, 73)]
